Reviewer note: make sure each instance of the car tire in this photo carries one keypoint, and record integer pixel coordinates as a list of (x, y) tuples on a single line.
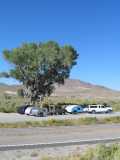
[(93, 112), (108, 111)]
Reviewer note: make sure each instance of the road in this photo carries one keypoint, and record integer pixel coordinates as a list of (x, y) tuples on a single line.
[(17, 136), (62, 134), (14, 117)]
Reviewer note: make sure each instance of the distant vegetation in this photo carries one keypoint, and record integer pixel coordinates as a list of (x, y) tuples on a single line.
[(10, 104), (101, 152)]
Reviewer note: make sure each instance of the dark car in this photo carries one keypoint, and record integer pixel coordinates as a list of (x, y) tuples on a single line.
[(60, 111), (21, 109)]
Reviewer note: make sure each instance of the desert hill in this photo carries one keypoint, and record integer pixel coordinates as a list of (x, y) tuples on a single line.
[(75, 89), (80, 89)]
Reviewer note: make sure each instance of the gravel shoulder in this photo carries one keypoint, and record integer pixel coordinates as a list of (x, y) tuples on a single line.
[(38, 154)]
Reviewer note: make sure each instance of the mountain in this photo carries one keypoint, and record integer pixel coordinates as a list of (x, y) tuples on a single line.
[(80, 89), (75, 89)]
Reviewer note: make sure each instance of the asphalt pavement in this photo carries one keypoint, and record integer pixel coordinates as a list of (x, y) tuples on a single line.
[(17, 136)]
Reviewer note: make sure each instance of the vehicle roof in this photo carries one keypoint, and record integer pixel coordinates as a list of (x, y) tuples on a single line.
[(72, 106), (96, 105)]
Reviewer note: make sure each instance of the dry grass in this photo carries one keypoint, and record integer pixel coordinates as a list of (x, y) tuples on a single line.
[(101, 152), (67, 122)]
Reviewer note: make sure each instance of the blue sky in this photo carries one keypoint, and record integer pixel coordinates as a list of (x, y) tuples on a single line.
[(91, 26)]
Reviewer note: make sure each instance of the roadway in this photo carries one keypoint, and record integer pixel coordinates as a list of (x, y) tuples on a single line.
[(18, 136)]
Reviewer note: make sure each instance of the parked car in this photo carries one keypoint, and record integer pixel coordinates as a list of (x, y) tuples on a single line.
[(98, 108), (21, 109), (60, 111), (28, 110), (85, 108), (39, 112), (74, 109), (35, 111)]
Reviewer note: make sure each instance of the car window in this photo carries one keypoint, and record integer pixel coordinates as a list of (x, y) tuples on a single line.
[(93, 106), (85, 106)]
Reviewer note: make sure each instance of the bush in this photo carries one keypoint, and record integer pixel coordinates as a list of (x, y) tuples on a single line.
[(10, 105)]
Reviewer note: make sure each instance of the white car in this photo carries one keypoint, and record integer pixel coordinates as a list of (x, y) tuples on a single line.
[(98, 108)]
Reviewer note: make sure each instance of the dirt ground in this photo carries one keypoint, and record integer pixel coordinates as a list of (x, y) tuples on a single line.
[(38, 154)]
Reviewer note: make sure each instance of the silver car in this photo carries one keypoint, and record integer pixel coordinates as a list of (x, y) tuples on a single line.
[(36, 111)]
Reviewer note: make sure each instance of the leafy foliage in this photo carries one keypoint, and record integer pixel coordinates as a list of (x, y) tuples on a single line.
[(40, 66)]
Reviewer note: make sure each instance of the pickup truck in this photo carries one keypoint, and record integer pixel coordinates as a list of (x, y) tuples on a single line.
[(98, 108)]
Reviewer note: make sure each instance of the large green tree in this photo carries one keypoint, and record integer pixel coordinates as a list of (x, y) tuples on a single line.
[(40, 65)]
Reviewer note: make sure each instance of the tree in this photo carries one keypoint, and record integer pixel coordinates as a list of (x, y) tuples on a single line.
[(20, 92), (40, 65)]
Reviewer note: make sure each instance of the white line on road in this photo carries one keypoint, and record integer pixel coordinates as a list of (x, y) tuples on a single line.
[(58, 144)]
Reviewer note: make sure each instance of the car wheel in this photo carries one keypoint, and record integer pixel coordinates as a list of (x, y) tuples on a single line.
[(93, 111), (108, 111), (74, 112)]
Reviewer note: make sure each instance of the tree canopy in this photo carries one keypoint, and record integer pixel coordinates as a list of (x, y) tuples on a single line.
[(40, 65)]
